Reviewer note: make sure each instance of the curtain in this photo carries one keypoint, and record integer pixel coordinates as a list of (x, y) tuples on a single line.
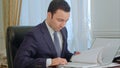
[(11, 13), (81, 33), (33, 12)]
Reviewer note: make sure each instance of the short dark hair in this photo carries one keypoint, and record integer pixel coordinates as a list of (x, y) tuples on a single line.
[(58, 4)]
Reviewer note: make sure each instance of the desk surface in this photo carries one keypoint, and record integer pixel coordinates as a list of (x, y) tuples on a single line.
[(79, 65), (99, 67), (114, 67)]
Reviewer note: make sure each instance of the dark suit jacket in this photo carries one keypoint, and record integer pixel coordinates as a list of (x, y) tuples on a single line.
[(37, 47)]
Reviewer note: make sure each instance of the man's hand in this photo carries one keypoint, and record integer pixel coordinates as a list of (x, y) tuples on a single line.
[(76, 53), (58, 61)]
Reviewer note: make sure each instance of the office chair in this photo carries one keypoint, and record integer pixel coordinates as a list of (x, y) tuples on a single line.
[(14, 37)]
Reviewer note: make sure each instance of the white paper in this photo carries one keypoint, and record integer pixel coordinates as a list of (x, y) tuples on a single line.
[(89, 56), (97, 56)]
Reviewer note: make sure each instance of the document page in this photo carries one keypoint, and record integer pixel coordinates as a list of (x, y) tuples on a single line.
[(97, 56), (89, 56)]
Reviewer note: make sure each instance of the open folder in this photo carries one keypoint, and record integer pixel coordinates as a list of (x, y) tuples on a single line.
[(102, 53)]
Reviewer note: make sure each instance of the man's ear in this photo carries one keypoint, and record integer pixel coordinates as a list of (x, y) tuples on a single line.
[(49, 14)]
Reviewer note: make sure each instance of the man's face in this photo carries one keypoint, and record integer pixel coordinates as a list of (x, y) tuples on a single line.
[(58, 20)]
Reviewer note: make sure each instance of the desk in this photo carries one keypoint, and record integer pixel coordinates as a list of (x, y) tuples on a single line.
[(93, 67), (114, 67), (79, 65)]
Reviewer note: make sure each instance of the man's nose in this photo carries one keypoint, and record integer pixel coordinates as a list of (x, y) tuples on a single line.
[(63, 24)]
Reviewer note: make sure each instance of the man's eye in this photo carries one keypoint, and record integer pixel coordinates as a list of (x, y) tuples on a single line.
[(60, 20)]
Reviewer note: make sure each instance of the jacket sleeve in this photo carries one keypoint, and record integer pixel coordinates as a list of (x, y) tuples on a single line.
[(67, 53), (25, 55)]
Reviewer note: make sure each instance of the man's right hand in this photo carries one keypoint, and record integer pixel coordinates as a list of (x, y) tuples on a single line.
[(58, 61)]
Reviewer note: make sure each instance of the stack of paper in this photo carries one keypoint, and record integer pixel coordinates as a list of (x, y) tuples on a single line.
[(97, 56)]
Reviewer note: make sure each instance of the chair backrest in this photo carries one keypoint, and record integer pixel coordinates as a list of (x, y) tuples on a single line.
[(14, 37)]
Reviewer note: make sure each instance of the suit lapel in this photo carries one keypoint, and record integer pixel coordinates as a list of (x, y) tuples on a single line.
[(63, 32), (47, 37), (49, 41)]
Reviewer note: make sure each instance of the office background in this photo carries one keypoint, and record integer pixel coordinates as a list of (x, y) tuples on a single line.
[(105, 19)]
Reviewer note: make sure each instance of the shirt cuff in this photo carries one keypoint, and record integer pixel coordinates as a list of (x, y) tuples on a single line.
[(48, 62)]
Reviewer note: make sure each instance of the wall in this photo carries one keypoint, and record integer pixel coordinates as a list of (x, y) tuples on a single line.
[(105, 18), (1, 28)]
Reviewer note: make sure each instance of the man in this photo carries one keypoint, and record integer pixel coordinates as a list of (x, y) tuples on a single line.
[(38, 50)]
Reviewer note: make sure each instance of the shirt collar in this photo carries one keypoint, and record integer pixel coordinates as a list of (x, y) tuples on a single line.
[(49, 28)]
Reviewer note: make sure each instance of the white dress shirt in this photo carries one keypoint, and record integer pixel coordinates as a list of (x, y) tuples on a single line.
[(51, 31)]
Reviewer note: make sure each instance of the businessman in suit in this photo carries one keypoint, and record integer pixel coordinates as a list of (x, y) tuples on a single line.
[(38, 49)]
